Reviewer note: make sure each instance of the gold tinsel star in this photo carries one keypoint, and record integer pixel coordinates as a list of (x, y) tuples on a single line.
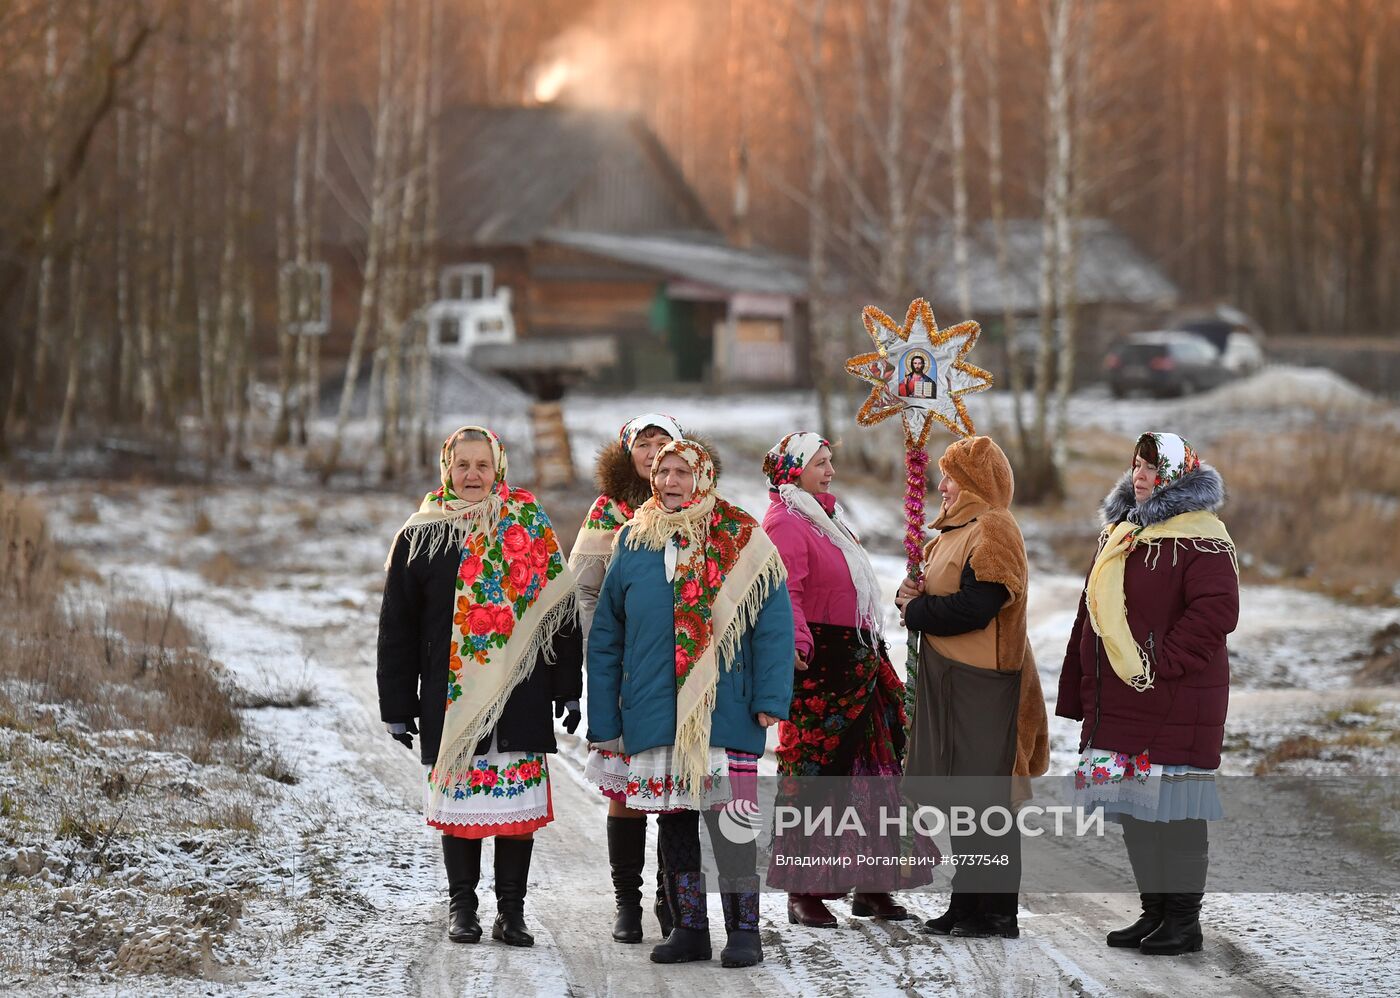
[(919, 371)]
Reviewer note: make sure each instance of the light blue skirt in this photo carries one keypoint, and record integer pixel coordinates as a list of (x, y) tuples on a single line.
[(1186, 792)]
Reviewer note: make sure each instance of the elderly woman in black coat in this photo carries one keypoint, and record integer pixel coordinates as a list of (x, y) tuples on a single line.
[(478, 636)]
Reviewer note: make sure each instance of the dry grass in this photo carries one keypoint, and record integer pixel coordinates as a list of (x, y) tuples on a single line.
[(221, 570), (126, 663), (1289, 750), (1360, 724), (1320, 508)]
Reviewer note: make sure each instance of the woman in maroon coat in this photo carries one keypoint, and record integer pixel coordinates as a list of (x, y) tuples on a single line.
[(1148, 673)]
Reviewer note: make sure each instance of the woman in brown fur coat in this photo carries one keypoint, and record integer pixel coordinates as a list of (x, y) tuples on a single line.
[(979, 713)]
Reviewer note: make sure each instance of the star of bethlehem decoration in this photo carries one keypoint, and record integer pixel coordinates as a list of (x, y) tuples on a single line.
[(919, 371)]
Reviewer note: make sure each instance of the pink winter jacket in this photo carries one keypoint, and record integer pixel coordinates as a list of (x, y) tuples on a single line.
[(818, 580)]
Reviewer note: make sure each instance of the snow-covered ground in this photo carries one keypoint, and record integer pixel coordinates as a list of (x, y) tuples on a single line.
[(343, 890)]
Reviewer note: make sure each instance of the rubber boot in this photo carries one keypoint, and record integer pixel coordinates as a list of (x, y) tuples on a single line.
[(742, 947)]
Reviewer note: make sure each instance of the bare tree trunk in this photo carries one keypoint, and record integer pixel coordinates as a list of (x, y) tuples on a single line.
[(1233, 158), (958, 112), (379, 198), (1042, 477), (306, 167), (894, 269), (409, 251), (121, 367), (428, 265), (282, 119), (1068, 198), (819, 309), (313, 351), (77, 303), (998, 198), (223, 379), (147, 155), (173, 277), (54, 83)]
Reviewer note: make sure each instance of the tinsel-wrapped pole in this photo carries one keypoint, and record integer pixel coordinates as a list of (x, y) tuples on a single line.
[(915, 488), (921, 395)]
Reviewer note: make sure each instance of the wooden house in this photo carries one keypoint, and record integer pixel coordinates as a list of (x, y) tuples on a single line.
[(585, 218)]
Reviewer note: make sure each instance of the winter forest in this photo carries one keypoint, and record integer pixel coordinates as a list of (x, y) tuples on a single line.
[(169, 160), (258, 258)]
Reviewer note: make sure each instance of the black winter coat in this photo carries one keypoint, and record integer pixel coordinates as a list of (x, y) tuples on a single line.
[(415, 635)]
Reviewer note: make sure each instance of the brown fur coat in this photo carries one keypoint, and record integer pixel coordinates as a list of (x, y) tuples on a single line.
[(984, 474), (616, 476)]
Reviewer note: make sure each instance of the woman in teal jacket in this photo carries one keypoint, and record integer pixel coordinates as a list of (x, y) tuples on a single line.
[(690, 659)]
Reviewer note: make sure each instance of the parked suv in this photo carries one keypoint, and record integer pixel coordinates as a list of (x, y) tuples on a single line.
[(1163, 363), (1232, 333)]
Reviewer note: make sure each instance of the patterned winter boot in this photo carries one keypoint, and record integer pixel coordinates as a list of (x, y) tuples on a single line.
[(743, 947), (689, 939)]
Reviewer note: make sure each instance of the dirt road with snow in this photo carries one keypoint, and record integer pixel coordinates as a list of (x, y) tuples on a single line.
[(372, 919)]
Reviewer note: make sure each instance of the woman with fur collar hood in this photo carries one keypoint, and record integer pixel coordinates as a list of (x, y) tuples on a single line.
[(1148, 673), (623, 476)]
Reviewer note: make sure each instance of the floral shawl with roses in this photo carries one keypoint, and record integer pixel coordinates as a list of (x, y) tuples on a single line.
[(514, 592), (725, 570)]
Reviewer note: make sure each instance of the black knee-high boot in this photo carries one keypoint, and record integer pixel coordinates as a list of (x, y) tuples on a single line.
[(462, 858), (1144, 853), (1185, 861), (512, 872), (627, 843)]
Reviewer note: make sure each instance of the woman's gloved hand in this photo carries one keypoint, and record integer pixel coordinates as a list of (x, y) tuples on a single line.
[(570, 712), (402, 731)]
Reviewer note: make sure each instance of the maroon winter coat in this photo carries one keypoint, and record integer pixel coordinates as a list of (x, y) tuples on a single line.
[(1180, 612)]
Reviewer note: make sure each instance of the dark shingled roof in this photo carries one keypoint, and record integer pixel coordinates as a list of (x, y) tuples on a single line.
[(695, 257), (1111, 269), (510, 173)]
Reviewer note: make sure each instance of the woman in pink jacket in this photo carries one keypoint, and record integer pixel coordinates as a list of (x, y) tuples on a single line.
[(847, 717)]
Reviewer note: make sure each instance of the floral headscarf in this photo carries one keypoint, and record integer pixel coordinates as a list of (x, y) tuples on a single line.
[(444, 518), (784, 463), (608, 512), (627, 436), (725, 570), (1175, 458), (514, 592)]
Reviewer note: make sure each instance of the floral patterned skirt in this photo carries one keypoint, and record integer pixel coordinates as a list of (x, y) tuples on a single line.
[(847, 707), (503, 793), (1125, 784), (843, 748), (647, 781)]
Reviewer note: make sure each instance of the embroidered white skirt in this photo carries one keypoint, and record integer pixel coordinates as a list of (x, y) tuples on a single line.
[(502, 793), (649, 781)]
